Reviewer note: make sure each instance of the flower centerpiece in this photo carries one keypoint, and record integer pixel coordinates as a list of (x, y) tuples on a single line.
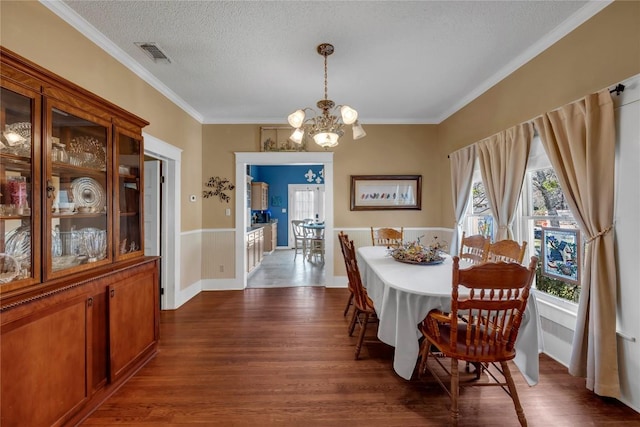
[(418, 253)]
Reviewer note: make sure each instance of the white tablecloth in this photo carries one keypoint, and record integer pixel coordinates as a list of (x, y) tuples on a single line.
[(403, 294)]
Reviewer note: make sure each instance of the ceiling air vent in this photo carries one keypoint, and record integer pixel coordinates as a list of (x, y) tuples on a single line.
[(153, 51)]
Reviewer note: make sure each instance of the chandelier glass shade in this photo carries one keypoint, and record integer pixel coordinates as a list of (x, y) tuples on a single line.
[(327, 126)]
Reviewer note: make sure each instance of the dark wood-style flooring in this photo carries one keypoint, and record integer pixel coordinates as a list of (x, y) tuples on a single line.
[(282, 357)]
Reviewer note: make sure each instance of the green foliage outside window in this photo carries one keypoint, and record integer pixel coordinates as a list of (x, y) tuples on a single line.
[(556, 287)]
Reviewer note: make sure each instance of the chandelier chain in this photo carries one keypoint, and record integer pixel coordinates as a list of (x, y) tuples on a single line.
[(326, 96)]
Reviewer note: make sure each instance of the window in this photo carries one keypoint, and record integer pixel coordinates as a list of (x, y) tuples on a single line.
[(479, 219), (542, 206), (545, 206)]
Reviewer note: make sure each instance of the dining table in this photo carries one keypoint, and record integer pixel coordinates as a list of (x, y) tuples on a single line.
[(403, 294), (317, 228)]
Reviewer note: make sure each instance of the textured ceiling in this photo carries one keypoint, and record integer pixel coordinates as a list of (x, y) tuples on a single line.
[(394, 61)]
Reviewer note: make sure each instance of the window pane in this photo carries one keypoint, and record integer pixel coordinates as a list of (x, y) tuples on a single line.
[(547, 207), (480, 224), (480, 203), (547, 196)]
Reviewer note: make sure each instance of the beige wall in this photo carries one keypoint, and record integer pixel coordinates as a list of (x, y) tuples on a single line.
[(219, 143), (387, 150), (598, 54), (58, 47)]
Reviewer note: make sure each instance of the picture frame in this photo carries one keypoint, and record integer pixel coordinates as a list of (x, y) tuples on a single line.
[(560, 251), (386, 192), (277, 139)]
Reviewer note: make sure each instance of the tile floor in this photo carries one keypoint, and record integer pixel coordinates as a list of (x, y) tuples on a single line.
[(280, 269)]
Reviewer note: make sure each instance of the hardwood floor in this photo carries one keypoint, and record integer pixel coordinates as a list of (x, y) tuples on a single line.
[(282, 357)]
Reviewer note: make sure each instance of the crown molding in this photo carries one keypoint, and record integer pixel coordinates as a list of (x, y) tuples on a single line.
[(89, 31), (80, 24), (574, 21)]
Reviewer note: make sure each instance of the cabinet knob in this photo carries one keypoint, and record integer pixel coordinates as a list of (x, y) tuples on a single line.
[(113, 293), (90, 302)]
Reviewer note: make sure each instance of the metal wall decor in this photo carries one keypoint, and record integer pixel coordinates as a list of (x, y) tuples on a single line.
[(218, 186)]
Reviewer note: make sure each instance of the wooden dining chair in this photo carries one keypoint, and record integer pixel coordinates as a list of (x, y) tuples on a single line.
[(341, 238), (493, 298), (363, 310), (389, 237), (474, 249), (507, 251)]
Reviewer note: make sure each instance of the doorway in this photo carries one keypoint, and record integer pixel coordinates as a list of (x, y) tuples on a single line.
[(167, 217), (153, 213), (280, 158)]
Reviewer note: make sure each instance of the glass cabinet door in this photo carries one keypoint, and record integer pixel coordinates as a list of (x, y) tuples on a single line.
[(77, 197), (19, 189), (129, 193)]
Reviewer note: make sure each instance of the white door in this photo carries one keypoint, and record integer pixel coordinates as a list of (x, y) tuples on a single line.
[(152, 208), (306, 201)]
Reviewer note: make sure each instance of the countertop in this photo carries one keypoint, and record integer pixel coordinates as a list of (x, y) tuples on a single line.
[(258, 225)]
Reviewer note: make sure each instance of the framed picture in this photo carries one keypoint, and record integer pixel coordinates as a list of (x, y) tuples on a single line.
[(385, 192), (560, 253), (277, 139)]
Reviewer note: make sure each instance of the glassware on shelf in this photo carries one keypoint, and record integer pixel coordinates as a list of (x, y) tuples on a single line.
[(95, 243), (18, 246), (17, 139), (88, 152), (9, 268), (17, 186), (56, 244), (59, 152)]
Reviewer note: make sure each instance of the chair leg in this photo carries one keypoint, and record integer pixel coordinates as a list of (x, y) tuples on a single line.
[(423, 355), (349, 302), (514, 393), (354, 319), (455, 391), (363, 329)]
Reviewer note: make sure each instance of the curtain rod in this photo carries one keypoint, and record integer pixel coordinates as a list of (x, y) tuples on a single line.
[(618, 90)]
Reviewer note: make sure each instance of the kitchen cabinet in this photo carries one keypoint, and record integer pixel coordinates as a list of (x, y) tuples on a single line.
[(255, 248), (79, 309), (270, 236), (259, 196)]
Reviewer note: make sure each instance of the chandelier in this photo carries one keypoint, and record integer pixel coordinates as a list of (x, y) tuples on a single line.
[(325, 128)]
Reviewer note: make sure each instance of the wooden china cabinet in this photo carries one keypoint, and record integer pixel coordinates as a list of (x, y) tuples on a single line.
[(79, 309)]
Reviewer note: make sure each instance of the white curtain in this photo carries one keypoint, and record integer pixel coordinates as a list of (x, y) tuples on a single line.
[(580, 141), (462, 162), (503, 163)]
